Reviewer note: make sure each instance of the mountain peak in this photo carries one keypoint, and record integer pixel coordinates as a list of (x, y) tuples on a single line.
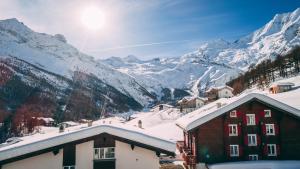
[(14, 24)]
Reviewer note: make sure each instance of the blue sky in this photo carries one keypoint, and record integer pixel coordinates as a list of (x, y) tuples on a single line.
[(147, 29)]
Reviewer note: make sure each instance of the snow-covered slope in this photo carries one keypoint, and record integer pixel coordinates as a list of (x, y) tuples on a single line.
[(214, 63), (53, 54)]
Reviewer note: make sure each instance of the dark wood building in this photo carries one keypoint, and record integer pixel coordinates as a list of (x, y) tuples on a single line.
[(253, 127)]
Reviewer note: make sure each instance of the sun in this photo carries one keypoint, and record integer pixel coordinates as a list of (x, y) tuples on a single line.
[(92, 18)]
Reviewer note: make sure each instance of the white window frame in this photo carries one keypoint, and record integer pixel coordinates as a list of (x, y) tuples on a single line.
[(250, 122), (267, 113), (231, 126), (275, 150), (253, 157), (251, 136), (234, 147), (233, 113), (268, 129), (105, 149), (69, 167)]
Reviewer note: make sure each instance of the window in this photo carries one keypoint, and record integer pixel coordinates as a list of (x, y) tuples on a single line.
[(271, 149), (233, 130), (233, 113), (69, 167), (104, 153), (252, 141), (250, 119), (267, 113), (253, 157), (234, 150), (270, 129)]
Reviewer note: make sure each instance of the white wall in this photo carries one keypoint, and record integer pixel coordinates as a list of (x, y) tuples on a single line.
[(138, 158), (85, 155), (43, 161), (225, 93), (199, 103)]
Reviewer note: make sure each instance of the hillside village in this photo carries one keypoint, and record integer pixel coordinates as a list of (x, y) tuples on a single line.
[(227, 105), (254, 125)]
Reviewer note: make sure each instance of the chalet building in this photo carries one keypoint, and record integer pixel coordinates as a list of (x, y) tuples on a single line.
[(248, 127), (215, 93), (160, 107), (43, 121), (67, 124), (96, 147), (281, 87), (189, 104)]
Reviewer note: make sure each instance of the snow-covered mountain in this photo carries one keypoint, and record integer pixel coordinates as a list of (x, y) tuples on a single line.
[(50, 58), (215, 62)]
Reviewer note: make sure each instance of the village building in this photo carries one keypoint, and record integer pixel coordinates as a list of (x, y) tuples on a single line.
[(215, 93), (189, 104), (280, 87), (97, 147), (249, 127), (160, 107), (67, 124), (45, 121)]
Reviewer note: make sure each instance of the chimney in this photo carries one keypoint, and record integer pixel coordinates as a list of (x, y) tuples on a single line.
[(90, 123), (61, 128), (140, 124), (219, 105)]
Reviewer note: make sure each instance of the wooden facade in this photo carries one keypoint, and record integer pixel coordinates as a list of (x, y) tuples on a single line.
[(214, 141)]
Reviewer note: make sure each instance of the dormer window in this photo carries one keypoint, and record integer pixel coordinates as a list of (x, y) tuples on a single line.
[(233, 113), (267, 113)]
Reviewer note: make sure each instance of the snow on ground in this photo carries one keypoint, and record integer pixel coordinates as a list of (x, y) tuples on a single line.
[(160, 123), (257, 165)]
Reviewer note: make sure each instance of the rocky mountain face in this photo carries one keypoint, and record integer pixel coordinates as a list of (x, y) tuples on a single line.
[(45, 75), (215, 62)]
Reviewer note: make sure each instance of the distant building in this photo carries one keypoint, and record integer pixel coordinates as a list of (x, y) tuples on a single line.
[(44, 121), (281, 87), (215, 93), (67, 124), (160, 107), (189, 104)]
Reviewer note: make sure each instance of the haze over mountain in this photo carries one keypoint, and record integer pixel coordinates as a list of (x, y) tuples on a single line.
[(215, 62)]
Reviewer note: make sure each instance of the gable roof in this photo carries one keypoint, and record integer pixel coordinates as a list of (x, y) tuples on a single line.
[(119, 130), (211, 111), (219, 88)]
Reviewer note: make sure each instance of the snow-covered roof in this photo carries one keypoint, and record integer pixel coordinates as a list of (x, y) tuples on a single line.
[(165, 105), (283, 84), (211, 111), (70, 123), (219, 88), (189, 98), (47, 120), (40, 142)]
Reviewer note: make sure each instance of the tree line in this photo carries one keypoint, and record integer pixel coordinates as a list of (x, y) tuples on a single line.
[(268, 71)]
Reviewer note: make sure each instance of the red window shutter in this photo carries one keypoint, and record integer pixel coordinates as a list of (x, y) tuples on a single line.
[(228, 150), (258, 139), (239, 130), (226, 129), (246, 140), (277, 149), (262, 114), (264, 129), (256, 119), (276, 129), (240, 151), (238, 114), (244, 119), (265, 150)]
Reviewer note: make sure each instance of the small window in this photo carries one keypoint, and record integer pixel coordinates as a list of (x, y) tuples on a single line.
[(271, 149), (267, 113), (233, 129), (252, 140), (233, 113), (104, 153), (250, 119), (69, 167), (234, 150), (253, 157), (270, 129)]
